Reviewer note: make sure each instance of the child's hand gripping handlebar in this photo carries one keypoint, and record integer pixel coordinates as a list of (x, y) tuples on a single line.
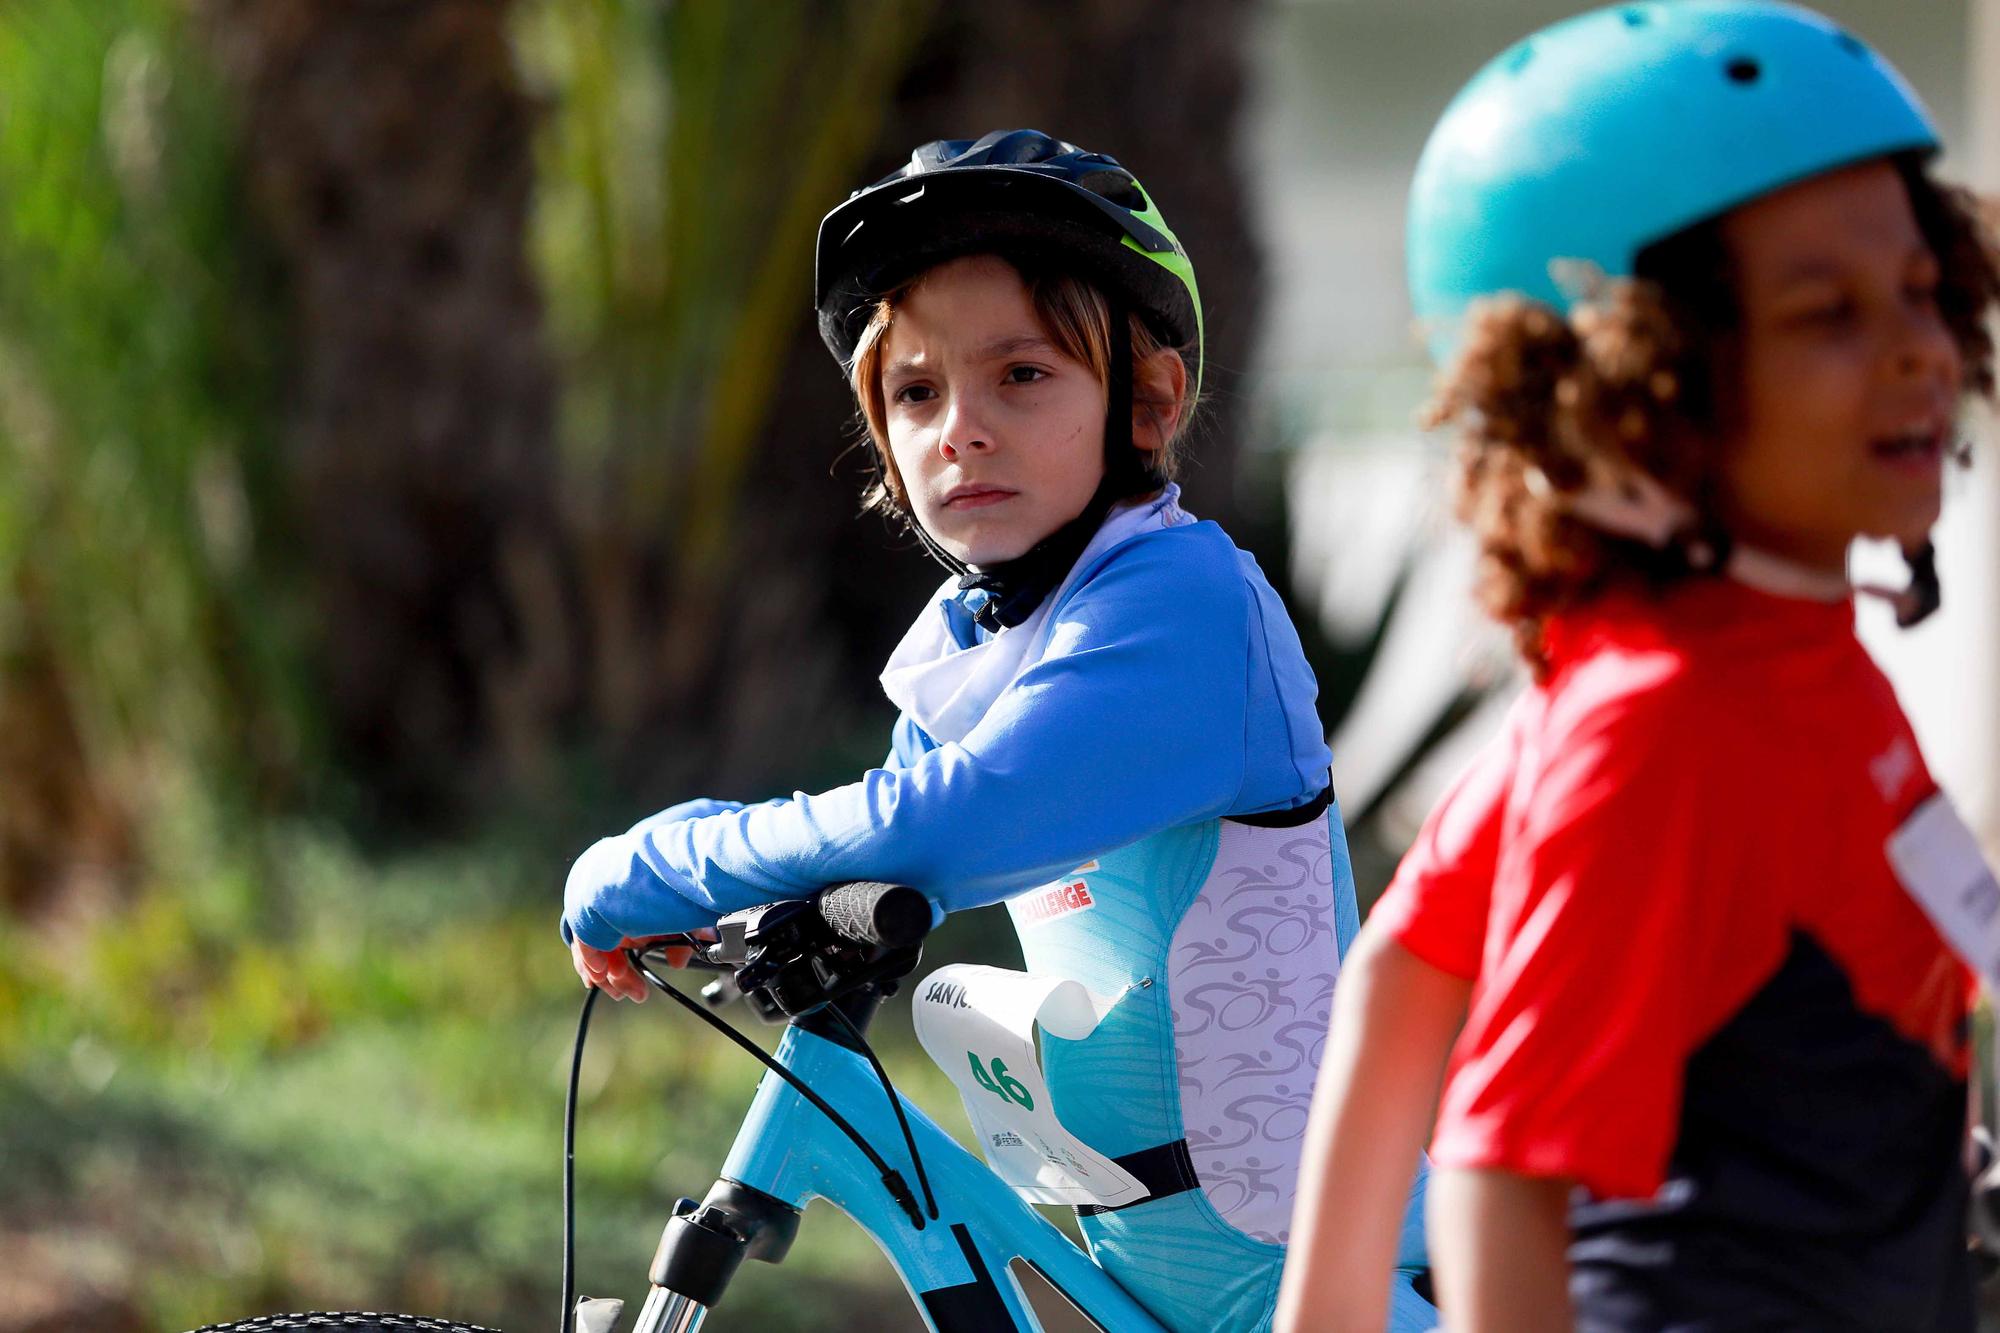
[(788, 948)]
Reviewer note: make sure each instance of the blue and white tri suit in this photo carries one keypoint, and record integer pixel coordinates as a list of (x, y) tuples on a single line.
[(1150, 731)]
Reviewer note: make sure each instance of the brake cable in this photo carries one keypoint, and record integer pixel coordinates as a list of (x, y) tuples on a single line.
[(892, 1180), (895, 1104), (569, 1166)]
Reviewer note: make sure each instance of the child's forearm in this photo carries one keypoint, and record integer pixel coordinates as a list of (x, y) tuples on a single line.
[(1501, 1245), (1394, 1020)]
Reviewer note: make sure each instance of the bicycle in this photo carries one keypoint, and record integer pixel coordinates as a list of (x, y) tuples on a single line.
[(825, 1122)]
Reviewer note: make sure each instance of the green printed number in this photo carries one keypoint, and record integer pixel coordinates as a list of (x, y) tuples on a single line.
[(1000, 1083)]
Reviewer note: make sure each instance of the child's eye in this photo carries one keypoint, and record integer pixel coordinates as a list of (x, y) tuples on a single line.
[(1025, 374), (1826, 314), (912, 394)]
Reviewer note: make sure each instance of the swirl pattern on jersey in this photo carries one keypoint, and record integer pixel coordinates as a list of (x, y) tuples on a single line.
[(1251, 973)]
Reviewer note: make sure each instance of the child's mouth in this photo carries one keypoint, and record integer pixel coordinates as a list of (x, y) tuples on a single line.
[(976, 497), (1910, 449)]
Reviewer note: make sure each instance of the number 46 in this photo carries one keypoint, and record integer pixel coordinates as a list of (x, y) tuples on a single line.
[(1000, 1083)]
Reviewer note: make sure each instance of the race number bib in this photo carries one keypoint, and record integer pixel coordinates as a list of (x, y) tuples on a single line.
[(978, 1024), (1938, 861)]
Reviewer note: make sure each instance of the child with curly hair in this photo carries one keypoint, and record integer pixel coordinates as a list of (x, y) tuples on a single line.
[(1694, 929)]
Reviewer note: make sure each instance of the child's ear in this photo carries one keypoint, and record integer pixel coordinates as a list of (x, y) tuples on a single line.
[(1159, 396)]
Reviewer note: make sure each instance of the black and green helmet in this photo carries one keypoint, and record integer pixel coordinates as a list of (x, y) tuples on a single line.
[(1016, 193)]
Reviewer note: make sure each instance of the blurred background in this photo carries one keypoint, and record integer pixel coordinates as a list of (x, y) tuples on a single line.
[(416, 460)]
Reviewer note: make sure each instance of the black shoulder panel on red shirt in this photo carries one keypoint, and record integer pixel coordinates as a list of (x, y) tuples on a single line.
[(1817, 1181)]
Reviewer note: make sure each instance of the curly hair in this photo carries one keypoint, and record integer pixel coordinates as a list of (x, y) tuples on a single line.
[(1644, 372), (1077, 318)]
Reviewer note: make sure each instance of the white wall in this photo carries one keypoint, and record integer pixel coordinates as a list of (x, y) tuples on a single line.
[(1344, 93), (1947, 672)]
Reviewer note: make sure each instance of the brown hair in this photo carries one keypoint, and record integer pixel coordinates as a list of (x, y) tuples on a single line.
[(1077, 319), (1644, 371)]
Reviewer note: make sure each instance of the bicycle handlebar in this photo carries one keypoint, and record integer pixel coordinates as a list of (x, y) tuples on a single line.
[(893, 916)]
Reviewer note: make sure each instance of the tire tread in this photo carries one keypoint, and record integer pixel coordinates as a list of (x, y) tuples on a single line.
[(344, 1321)]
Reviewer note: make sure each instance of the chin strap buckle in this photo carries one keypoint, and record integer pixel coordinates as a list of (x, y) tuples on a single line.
[(984, 606), (1923, 595), (1916, 600)]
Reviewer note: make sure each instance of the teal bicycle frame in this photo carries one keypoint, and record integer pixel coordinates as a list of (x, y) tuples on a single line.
[(956, 1266)]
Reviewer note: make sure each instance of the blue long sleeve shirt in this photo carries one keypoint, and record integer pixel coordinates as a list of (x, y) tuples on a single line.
[(1172, 689)]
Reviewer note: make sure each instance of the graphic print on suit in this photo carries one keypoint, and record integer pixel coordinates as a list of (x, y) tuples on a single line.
[(1222, 940)]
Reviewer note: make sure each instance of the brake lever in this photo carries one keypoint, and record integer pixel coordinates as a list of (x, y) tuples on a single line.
[(698, 960), (701, 962), (721, 992)]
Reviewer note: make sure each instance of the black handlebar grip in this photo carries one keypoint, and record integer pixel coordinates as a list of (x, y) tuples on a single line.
[(894, 916)]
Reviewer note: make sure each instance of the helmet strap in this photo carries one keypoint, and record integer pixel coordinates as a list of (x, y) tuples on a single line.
[(1620, 499), (1760, 569), (952, 563), (1913, 602), (1623, 501)]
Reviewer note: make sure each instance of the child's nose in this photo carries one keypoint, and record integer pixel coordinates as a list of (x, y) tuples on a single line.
[(1925, 346), (965, 431)]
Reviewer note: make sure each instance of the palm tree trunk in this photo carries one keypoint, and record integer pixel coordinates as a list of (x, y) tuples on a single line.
[(390, 153)]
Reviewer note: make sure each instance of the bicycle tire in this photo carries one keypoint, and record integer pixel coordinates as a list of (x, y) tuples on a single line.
[(344, 1321)]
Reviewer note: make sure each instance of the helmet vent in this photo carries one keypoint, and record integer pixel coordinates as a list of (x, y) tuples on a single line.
[(1743, 70), (1115, 187)]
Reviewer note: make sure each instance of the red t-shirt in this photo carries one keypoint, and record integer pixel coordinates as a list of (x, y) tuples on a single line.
[(1704, 781)]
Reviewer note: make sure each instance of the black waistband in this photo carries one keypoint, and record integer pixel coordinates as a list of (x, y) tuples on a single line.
[(1292, 818), (1164, 1170)]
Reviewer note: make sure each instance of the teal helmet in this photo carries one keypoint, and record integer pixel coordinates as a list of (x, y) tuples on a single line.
[(1602, 134)]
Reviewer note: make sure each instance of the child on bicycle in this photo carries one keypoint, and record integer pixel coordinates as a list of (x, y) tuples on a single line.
[(1699, 906), (1106, 694)]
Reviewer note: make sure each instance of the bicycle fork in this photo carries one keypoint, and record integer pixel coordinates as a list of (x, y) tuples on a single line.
[(702, 1247), (670, 1312)]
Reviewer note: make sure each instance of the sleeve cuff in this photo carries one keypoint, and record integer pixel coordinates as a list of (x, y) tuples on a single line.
[(1620, 1175)]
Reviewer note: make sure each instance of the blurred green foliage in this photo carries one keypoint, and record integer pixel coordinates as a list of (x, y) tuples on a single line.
[(686, 154), (140, 337), (271, 1070), (282, 1074), (368, 1111), (690, 152)]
